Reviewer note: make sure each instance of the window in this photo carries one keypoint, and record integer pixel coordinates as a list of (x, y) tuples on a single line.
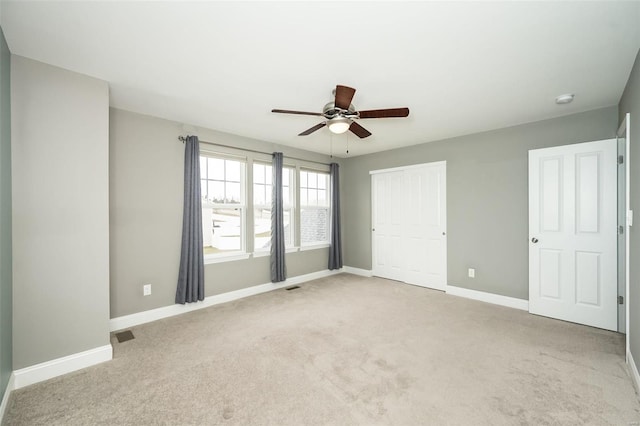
[(262, 190), (315, 210), (223, 204)]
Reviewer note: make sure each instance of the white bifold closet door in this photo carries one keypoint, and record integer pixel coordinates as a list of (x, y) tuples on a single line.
[(409, 224)]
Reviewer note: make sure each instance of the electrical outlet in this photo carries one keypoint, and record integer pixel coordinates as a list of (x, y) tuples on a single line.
[(472, 273), (146, 289)]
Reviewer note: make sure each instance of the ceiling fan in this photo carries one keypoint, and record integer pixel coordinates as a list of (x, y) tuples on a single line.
[(341, 113)]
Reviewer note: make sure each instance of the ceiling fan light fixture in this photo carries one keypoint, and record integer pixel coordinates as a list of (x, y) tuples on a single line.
[(340, 115), (339, 125)]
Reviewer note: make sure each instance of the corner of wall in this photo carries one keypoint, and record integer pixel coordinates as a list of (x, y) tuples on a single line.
[(6, 260)]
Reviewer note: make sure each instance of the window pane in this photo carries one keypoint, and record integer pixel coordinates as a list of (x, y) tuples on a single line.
[(224, 231), (288, 231), (222, 227), (262, 224), (314, 226), (268, 194), (203, 189), (216, 192), (322, 181), (262, 228), (233, 170), (268, 177), (286, 174), (312, 180), (258, 173), (303, 179), (303, 197), (312, 197), (258, 194), (207, 229), (322, 197), (216, 168), (203, 168), (286, 196), (232, 193)]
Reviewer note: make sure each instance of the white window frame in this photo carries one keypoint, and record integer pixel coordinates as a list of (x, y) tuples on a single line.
[(315, 244), (243, 206)]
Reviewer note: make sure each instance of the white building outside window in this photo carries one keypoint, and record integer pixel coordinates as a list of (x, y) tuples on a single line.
[(315, 211)]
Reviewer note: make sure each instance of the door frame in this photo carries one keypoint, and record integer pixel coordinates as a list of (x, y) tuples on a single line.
[(624, 130), (373, 199)]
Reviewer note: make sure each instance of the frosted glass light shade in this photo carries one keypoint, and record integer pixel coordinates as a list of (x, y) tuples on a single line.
[(339, 125)]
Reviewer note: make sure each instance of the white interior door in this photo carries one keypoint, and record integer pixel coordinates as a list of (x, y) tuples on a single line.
[(572, 231), (388, 197), (409, 225)]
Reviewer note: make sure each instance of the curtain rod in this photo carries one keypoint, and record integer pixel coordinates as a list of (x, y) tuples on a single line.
[(183, 139)]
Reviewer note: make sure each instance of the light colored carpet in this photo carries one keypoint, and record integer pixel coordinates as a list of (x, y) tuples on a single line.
[(346, 350)]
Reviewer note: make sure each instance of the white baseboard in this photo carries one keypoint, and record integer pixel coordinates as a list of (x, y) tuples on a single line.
[(5, 398), (357, 271), (635, 377), (127, 321), (496, 299), (57, 367)]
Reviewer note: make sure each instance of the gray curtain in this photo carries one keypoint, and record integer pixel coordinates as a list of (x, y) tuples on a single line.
[(335, 251), (191, 275), (278, 269)]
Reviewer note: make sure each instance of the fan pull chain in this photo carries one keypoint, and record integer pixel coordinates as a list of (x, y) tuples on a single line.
[(331, 144), (347, 143)]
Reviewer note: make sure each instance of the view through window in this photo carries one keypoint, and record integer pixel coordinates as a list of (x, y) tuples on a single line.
[(314, 207), (222, 186), (262, 191)]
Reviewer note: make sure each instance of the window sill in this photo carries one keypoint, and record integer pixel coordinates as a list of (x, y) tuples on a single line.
[(265, 253), (225, 258), (315, 246)]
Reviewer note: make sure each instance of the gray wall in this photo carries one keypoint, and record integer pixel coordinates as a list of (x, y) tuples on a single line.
[(60, 152), (630, 103), (146, 189), (487, 202), (6, 365)]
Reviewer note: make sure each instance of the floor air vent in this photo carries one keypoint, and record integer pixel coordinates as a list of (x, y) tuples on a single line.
[(124, 336), (293, 288)]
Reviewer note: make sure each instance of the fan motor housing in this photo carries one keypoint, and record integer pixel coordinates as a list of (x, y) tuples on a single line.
[(330, 111)]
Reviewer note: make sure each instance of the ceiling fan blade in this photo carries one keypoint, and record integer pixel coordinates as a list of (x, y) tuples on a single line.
[(344, 95), (313, 129), (286, 111), (385, 113), (359, 131)]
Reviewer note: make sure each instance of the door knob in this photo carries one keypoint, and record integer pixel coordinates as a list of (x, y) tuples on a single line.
[(534, 240)]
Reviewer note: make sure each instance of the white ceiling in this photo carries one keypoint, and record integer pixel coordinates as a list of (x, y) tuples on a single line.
[(461, 67)]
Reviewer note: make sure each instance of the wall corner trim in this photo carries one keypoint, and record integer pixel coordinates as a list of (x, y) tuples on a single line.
[(5, 399), (633, 370), (482, 296), (138, 318), (357, 271), (57, 367)]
